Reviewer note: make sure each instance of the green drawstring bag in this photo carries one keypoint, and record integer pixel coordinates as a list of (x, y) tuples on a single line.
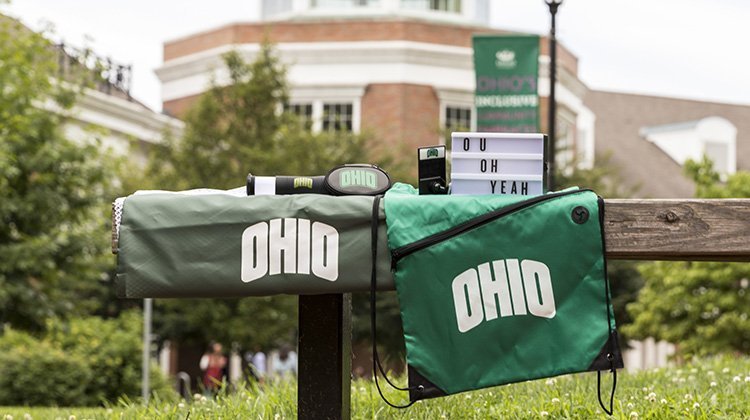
[(500, 289)]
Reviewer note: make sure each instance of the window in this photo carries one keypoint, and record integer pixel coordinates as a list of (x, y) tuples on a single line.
[(326, 110), (303, 111), (457, 118), (440, 5), (565, 142), (719, 155), (714, 137), (342, 4), (337, 117)]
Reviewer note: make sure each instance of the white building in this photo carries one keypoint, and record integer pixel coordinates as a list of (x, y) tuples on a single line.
[(105, 111)]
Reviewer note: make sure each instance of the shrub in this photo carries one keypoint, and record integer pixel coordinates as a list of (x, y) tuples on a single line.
[(84, 361), (39, 374), (111, 348)]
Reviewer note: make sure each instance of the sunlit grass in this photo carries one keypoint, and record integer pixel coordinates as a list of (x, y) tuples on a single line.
[(708, 389)]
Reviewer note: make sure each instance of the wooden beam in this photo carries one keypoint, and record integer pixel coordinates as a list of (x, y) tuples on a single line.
[(325, 357), (695, 229)]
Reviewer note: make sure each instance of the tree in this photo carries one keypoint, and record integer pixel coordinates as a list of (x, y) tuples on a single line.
[(702, 307), (230, 131), (236, 129), (53, 240)]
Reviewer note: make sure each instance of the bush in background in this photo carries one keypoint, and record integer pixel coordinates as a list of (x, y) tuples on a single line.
[(703, 307), (86, 361), (41, 374)]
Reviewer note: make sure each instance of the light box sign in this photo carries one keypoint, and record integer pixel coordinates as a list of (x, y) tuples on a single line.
[(497, 163)]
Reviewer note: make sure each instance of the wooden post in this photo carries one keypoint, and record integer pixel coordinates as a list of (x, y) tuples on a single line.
[(325, 357)]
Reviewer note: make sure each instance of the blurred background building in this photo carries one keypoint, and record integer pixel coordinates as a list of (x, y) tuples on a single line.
[(649, 139), (399, 69), (403, 71), (105, 110)]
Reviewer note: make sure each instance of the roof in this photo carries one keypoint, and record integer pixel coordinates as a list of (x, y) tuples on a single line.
[(620, 117)]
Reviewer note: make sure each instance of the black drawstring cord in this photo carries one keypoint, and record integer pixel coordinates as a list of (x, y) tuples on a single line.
[(611, 338), (376, 365), (611, 395)]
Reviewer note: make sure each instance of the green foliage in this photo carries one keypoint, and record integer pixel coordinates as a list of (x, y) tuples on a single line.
[(112, 349), (86, 361), (702, 307), (236, 129), (42, 374), (708, 184), (603, 178), (267, 321), (706, 389), (703, 174), (625, 282), (391, 347), (53, 245), (54, 240)]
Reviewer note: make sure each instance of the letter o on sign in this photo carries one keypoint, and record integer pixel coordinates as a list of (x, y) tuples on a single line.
[(254, 252), (469, 312), (538, 283), (325, 254)]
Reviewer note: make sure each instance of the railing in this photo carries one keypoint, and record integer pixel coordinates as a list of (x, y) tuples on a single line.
[(109, 76)]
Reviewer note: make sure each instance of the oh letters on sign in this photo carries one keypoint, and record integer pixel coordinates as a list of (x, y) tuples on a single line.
[(497, 163)]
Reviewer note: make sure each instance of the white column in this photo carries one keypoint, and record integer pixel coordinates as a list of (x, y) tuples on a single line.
[(146, 362), (390, 5), (356, 114), (468, 9), (317, 116), (300, 5), (235, 367), (165, 354)]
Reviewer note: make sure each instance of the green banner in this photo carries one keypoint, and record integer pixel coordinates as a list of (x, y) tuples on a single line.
[(507, 70)]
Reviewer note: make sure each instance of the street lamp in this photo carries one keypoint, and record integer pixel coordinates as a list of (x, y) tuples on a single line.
[(552, 113)]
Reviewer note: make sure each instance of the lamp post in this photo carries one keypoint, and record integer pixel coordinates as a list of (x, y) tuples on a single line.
[(552, 112)]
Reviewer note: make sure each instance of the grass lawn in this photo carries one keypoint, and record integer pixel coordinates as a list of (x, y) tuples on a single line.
[(708, 389)]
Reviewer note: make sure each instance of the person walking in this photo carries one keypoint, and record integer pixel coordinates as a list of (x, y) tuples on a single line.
[(256, 364), (213, 363), (285, 363)]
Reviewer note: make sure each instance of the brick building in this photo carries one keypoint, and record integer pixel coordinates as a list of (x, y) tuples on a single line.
[(399, 69)]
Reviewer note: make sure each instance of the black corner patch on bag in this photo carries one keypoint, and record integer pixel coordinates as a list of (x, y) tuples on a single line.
[(428, 390), (610, 357)]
